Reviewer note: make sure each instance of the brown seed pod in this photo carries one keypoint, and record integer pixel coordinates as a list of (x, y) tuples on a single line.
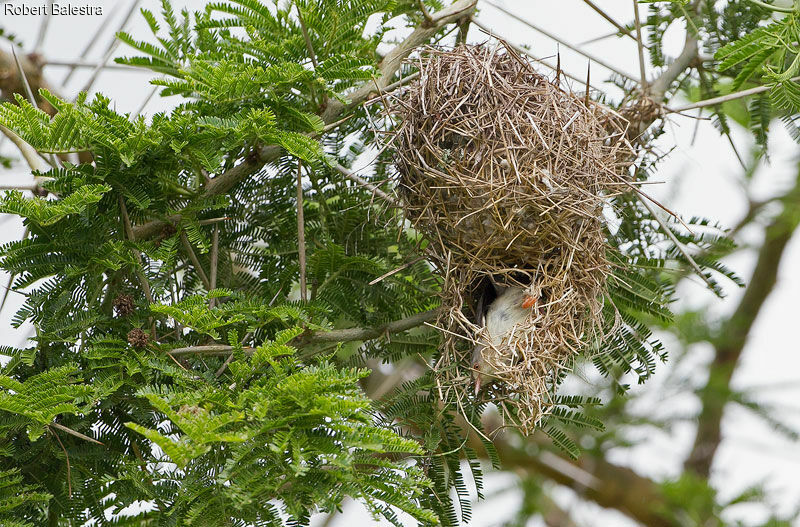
[(124, 305), (168, 230), (137, 338)]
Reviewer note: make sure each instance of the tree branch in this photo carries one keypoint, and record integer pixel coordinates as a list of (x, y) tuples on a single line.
[(323, 336), (301, 234), (199, 268), (689, 53), (615, 487), (732, 337)]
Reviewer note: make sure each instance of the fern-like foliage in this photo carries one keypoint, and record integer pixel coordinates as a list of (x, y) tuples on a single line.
[(175, 363)]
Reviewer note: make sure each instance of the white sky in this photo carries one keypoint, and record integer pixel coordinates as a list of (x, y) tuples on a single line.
[(701, 179)]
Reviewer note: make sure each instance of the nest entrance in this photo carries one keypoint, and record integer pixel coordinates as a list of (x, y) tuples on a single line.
[(507, 174)]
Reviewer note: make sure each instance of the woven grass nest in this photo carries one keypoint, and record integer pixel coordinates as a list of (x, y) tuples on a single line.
[(506, 174)]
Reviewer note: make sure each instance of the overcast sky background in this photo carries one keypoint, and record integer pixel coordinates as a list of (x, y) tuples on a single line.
[(702, 179)]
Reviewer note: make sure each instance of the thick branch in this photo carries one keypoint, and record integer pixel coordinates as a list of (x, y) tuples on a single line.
[(730, 342), (350, 334), (594, 478), (319, 337), (659, 86)]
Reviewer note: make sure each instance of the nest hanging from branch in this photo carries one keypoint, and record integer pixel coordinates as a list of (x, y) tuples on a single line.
[(506, 174)]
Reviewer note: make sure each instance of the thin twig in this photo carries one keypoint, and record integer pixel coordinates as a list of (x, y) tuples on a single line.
[(680, 246), (622, 29), (597, 39), (224, 366), (32, 187), (37, 48), (74, 433), (144, 103), (524, 51), (195, 261), (301, 234), (126, 221), (392, 87), (208, 349), (85, 64), (111, 47), (366, 184), (69, 469), (326, 336), (329, 127), (212, 221), (12, 276), (89, 45), (397, 270), (214, 256), (562, 42), (725, 98), (640, 46), (307, 38), (51, 159)]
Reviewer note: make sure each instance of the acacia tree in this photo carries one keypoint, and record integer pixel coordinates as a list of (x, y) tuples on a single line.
[(202, 283)]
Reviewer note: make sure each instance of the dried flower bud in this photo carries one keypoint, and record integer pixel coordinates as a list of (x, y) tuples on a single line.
[(137, 338), (124, 305)]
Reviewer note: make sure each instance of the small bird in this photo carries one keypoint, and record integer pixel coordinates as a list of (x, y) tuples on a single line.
[(511, 307)]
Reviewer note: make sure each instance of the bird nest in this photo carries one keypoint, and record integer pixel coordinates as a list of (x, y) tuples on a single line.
[(507, 174)]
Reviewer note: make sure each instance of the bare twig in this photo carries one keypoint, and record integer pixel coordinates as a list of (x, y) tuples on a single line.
[(144, 103), (195, 261), (397, 270), (51, 159), (11, 277), (224, 366), (524, 51), (111, 47), (70, 431), (622, 29), (209, 349), (640, 46), (84, 64), (32, 187), (89, 45), (69, 469), (37, 48), (366, 184), (350, 334), (567, 45), (301, 234), (725, 98), (307, 38), (323, 336), (680, 246), (393, 86)]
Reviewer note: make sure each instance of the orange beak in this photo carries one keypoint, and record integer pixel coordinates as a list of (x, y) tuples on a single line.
[(529, 301)]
